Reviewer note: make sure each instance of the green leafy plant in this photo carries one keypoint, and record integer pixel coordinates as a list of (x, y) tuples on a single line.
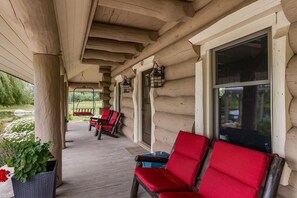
[(29, 159)]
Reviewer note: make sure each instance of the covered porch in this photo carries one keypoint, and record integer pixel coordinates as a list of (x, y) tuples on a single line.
[(227, 70)]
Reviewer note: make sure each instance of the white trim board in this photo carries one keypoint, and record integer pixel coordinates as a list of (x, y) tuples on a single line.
[(238, 19), (139, 68)]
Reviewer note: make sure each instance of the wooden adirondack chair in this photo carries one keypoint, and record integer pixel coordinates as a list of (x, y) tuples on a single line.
[(104, 118), (110, 128), (181, 170)]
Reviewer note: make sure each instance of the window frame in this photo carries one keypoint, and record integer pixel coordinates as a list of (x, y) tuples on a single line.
[(216, 113), (238, 42)]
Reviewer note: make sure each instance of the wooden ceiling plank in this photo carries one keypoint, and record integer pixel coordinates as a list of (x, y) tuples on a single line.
[(107, 56), (90, 20), (112, 46), (165, 10), (11, 35), (122, 33), (12, 49), (101, 62), (15, 72), (12, 58)]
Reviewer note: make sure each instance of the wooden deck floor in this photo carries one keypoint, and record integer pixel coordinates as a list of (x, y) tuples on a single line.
[(95, 169)]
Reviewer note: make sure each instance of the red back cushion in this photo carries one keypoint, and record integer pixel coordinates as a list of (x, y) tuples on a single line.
[(235, 171), (113, 118), (186, 158), (105, 114)]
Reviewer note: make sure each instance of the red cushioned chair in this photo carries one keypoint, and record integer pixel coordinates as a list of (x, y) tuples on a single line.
[(106, 115), (110, 128), (181, 169), (234, 172)]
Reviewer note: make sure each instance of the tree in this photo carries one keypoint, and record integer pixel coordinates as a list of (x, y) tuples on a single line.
[(14, 91), (6, 95)]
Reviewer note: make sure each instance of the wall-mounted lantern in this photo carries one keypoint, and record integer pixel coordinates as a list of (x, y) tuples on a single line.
[(157, 77), (126, 85)]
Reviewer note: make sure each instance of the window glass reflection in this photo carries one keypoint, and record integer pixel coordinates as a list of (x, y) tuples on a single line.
[(245, 116)]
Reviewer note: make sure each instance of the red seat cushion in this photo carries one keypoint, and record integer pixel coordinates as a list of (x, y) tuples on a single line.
[(186, 158), (82, 113), (106, 128), (234, 171), (179, 195), (93, 122), (105, 114), (160, 180), (114, 117)]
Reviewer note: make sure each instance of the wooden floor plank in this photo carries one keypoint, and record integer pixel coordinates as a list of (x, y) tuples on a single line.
[(96, 168)]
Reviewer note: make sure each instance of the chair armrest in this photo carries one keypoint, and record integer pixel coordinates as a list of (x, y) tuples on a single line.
[(100, 121), (141, 158), (94, 118)]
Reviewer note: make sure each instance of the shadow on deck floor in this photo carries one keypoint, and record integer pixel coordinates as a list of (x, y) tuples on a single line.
[(96, 168)]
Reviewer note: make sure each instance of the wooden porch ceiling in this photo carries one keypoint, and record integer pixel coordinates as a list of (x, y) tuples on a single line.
[(120, 30)]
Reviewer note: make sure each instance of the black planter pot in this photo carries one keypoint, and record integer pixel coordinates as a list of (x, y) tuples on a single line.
[(42, 185)]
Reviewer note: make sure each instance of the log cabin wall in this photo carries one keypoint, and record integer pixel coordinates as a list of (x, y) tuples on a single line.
[(127, 108), (111, 100), (289, 8), (175, 101)]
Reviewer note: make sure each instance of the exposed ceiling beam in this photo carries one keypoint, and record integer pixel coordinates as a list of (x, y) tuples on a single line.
[(101, 62), (122, 33), (203, 18), (165, 10), (113, 46), (104, 70), (107, 56)]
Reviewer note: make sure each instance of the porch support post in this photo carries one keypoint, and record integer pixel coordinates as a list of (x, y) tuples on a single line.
[(47, 103), (62, 112), (66, 91)]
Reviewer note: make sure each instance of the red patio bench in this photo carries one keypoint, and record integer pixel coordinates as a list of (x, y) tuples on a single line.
[(234, 172)]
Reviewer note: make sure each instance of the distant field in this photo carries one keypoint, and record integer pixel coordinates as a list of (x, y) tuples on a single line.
[(15, 107)]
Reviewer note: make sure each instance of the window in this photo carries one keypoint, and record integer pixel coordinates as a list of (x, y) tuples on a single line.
[(242, 92)]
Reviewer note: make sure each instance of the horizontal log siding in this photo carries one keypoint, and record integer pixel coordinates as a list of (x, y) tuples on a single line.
[(175, 101), (127, 109), (289, 7)]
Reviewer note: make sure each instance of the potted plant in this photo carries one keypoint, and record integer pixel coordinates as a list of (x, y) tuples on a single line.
[(34, 174)]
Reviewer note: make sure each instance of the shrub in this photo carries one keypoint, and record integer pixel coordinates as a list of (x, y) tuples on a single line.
[(20, 130), (19, 136), (1, 126), (21, 125)]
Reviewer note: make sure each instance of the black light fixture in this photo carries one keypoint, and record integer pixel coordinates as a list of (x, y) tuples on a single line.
[(157, 77), (126, 85)]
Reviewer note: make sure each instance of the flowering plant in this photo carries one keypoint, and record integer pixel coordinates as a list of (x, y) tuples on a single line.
[(4, 174)]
